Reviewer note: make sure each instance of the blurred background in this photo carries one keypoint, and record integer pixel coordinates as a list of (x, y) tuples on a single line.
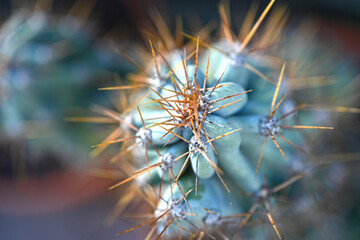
[(54, 55)]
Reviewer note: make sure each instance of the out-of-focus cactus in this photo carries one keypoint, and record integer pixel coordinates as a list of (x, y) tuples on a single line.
[(48, 65), (211, 122)]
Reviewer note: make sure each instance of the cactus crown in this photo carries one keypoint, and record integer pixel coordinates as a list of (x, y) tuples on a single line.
[(203, 122)]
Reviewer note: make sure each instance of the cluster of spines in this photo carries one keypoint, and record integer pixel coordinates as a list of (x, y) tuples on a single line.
[(187, 104)]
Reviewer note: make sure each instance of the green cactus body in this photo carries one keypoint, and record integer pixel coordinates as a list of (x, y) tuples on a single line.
[(234, 120)]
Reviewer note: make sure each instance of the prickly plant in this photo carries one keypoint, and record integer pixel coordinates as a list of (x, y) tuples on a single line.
[(47, 63), (217, 129)]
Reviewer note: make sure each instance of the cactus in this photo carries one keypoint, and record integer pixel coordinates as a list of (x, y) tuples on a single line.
[(48, 62), (211, 121)]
